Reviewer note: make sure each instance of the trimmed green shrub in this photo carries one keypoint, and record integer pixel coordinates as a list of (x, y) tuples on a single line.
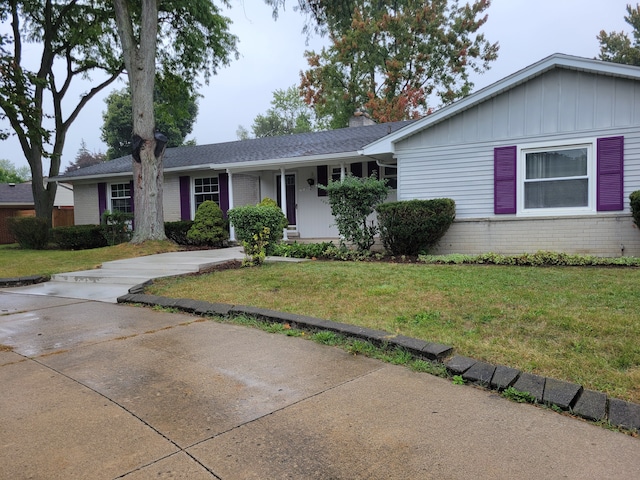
[(79, 237), (302, 250), (209, 226), (177, 231), (30, 232), (116, 227), (414, 226), (538, 259), (250, 221), (269, 202), (635, 207), (352, 200)]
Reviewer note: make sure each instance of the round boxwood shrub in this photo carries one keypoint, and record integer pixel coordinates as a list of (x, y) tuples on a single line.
[(209, 226), (414, 226)]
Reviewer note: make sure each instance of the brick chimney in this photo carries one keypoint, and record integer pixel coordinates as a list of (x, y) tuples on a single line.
[(360, 119)]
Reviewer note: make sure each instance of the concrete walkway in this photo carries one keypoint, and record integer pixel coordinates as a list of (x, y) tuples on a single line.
[(114, 279), (96, 390)]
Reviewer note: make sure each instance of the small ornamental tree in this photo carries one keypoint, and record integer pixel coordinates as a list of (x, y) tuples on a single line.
[(352, 200), (209, 226)]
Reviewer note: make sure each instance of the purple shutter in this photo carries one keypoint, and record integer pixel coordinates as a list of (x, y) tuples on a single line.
[(356, 169), (185, 198), (372, 167), (102, 199), (223, 193), (610, 171), (504, 180), (323, 179)]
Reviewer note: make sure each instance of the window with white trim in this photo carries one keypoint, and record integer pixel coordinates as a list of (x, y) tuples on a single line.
[(556, 179), (205, 189), (120, 197), (336, 174)]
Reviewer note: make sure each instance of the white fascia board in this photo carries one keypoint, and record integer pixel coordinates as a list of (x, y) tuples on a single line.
[(96, 178), (277, 163), (387, 144)]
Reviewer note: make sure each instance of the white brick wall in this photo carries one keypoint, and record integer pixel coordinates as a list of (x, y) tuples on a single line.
[(606, 236)]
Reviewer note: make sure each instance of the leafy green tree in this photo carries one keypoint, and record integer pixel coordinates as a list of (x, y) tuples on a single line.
[(10, 174), (352, 200), (85, 158), (617, 46), (175, 106), (70, 39), (288, 114), (79, 39), (394, 57), (195, 41)]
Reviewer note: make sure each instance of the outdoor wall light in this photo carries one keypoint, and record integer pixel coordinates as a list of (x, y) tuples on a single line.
[(311, 182)]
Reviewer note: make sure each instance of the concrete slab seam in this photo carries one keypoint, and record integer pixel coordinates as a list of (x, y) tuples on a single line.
[(567, 396)]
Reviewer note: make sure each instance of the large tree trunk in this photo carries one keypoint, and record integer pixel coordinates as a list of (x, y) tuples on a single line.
[(139, 59)]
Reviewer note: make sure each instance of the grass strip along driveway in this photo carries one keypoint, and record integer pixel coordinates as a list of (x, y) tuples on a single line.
[(580, 324), (18, 262)]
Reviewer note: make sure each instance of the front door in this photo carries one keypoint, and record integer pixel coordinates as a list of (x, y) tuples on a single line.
[(290, 182)]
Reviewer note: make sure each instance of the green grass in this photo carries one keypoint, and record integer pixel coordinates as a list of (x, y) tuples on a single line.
[(579, 324), (16, 262)]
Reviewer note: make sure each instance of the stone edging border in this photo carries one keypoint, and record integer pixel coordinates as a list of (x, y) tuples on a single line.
[(21, 281), (588, 404)]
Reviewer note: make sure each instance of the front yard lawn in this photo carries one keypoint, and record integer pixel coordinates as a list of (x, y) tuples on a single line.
[(17, 262), (580, 324)]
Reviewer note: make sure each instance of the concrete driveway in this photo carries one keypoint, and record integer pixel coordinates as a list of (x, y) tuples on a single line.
[(94, 390)]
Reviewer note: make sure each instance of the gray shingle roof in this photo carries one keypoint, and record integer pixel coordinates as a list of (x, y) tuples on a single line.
[(343, 140), (19, 194)]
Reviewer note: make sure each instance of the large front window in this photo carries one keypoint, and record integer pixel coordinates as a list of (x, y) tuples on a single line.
[(556, 178), (206, 189), (121, 197)]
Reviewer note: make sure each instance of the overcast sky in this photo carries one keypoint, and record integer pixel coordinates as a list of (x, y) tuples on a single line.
[(271, 57)]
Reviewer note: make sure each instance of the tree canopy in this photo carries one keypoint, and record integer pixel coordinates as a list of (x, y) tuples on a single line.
[(175, 108), (397, 59), (85, 158), (617, 47), (288, 114), (10, 174)]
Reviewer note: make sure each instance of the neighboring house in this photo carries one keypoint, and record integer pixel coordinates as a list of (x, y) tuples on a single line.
[(16, 200), (544, 159)]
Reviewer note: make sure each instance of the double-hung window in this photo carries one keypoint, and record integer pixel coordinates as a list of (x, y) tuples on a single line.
[(206, 189), (557, 179), (121, 197)]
